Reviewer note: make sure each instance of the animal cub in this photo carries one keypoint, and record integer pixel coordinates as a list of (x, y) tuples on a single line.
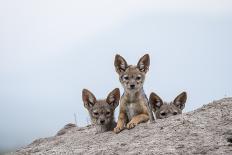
[(134, 107), (101, 111), (164, 109)]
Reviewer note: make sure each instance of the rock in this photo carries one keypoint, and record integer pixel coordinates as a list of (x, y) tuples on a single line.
[(207, 130), (65, 129)]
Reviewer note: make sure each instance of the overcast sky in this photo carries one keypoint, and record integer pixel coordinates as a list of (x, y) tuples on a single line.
[(51, 49)]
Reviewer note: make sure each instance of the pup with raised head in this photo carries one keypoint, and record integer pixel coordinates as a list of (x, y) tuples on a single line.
[(165, 109), (101, 111), (134, 106)]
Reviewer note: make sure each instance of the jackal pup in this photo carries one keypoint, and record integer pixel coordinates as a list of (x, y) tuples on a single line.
[(101, 111), (164, 109), (134, 106)]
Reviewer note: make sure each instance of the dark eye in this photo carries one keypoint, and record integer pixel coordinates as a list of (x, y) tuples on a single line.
[(126, 78), (138, 78), (175, 113), (107, 113), (95, 113), (163, 114)]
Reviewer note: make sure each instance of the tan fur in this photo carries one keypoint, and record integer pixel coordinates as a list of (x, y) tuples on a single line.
[(101, 111), (133, 104), (164, 109)]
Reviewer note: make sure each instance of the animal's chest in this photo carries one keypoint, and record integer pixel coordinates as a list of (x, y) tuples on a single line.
[(133, 109)]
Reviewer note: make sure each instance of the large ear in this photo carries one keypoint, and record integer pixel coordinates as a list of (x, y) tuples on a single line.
[(120, 64), (155, 101), (113, 98), (144, 63), (88, 98), (180, 100)]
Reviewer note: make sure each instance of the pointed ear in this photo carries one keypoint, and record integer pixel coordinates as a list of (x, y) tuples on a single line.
[(144, 63), (155, 101), (88, 98), (120, 64), (113, 98), (180, 100)]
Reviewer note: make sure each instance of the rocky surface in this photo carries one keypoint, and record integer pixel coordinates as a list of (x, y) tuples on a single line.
[(207, 130)]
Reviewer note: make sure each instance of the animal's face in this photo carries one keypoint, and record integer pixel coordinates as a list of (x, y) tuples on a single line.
[(167, 110), (164, 109), (132, 77), (101, 111)]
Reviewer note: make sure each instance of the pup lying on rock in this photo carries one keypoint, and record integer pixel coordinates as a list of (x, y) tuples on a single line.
[(101, 111), (165, 109)]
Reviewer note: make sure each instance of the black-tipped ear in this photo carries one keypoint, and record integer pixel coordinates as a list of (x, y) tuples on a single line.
[(180, 100), (120, 64), (156, 101), (144, 63), (113, 98), (88, 98)]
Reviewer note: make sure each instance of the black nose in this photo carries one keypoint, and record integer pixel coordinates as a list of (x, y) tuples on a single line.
[(102, 121), (132, 86)]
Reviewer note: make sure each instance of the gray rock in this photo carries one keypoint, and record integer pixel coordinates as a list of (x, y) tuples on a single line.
[(207, 130)]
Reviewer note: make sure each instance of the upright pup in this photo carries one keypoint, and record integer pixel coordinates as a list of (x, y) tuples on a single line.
[(101, 111), (134, 106), (164, 109)]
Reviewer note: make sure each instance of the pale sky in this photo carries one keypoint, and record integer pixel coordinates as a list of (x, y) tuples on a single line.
[(51, 49)]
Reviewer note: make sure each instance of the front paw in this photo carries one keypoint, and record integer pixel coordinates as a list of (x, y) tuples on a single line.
[(118, 129), (131, 125)]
